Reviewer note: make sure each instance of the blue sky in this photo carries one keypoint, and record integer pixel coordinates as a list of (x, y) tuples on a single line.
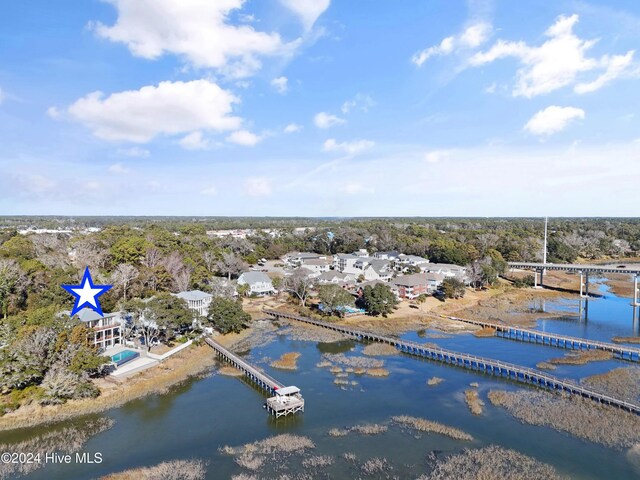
[(320, 108)]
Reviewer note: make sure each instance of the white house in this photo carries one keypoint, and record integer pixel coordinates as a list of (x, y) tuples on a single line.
[(344, 261), (411, 261), (447, 269), (371, 269), (338, 278), (391, 255), (316, 265), (296, 259), (106, 332), (259, 283), (197, 301)]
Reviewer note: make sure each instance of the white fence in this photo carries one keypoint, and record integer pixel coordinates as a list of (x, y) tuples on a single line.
[(170, 352)]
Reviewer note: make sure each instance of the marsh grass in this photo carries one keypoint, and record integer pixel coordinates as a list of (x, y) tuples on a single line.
[(579, 417), (318, 461), (433, 381), (377, 372), (623, 383), (229, 371), (473, 401), (68, 440), (287, 361), (626, 339), (424, 425), (173, 470), (363, 429), (545, 366), (490, 463), (375, 466), (354, 362), (485, 332), (582, 357), (374, 349)]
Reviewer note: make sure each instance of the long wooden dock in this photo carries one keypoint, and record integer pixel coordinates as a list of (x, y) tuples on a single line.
[(497, 368), (279, 404), (554, 340)]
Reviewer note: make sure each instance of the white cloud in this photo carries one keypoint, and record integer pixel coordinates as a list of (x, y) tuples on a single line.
[(244, 137), (616, 65), (351, 148), (196, 30), (170, 108), (134, 152), (292, 128), (209, 191), (257, 187), (326, 120), (553, 119), (307, 10), (362, 101), (280, 84), (119, 169), (194, 141), (471, 37), (357, 189), (52, 112), (557, 62), (436, 156)]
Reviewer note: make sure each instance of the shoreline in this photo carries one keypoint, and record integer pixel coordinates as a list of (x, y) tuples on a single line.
[(187, 364), (196, 360)]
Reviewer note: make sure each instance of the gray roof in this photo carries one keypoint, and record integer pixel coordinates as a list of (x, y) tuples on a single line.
[(334, 274), (444, 266), (315, 261), (89, 315), (373, 283), (346, 255), (254, 277), (392, 253), (414, 258), (378, 265), (417, 279), (194, 295)]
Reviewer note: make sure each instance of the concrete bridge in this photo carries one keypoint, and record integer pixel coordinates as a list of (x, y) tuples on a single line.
[(584, 270), (472, 362), (622, 352)]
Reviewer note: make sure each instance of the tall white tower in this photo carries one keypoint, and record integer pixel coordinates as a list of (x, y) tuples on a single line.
[(544, 252)]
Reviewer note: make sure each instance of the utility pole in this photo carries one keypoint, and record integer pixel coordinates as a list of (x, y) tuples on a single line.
[(544, 252)]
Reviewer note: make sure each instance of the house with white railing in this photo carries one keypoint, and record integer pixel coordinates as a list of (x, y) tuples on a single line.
[(197, 301), (106, 331)]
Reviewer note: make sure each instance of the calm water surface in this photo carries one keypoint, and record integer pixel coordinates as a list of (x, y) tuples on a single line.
[(201, 415)]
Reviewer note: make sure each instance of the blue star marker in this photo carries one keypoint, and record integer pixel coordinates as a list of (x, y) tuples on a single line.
[(86, 294)]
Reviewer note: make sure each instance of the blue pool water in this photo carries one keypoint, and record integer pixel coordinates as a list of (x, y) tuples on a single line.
[(124, 356)]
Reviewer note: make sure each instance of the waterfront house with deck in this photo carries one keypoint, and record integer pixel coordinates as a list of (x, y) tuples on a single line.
[(259, 283), (412, 286), (197, 300), (105, 332)]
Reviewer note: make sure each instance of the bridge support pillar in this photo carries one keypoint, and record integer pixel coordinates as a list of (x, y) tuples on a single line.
[(636, 292), (584, 284)]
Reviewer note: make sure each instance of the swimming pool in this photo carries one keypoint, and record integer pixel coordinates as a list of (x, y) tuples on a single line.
[(124, 356)]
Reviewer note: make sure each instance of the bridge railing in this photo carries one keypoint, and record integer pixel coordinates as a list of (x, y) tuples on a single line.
[(595, 343), (510, 367), (244, 365)]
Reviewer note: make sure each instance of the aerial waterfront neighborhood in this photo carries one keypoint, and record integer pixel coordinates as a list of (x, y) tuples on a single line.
[(311, 240)]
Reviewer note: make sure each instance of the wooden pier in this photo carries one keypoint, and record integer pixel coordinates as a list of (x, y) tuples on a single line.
[(285, 400), (497, 368), (554, 340)]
